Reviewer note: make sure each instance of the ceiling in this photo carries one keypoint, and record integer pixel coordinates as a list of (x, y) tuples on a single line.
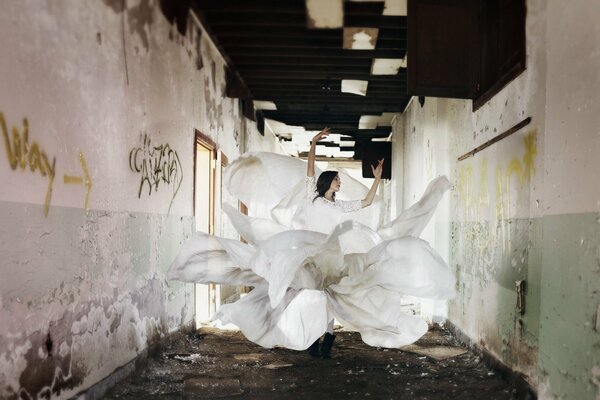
[(297, 55)]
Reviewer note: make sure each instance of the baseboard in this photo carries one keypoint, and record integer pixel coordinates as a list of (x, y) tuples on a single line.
[(524, 391), (99, 389)]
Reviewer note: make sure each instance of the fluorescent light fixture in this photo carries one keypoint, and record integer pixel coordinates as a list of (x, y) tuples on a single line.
[(387, 66), (264, 105), (325, 14), (360, 38), (355, 86), (395, 7)]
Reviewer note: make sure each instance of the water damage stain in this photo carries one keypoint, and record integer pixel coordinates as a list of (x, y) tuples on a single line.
[(176, 11)]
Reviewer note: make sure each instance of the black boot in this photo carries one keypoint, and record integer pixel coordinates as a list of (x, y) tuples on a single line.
[(313, 350), (327, 344)]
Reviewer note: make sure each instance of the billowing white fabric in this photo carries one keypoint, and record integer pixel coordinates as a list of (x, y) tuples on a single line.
[(310, 262)]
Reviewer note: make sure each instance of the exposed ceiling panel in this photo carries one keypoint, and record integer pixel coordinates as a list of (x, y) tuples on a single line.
[(280, 56)]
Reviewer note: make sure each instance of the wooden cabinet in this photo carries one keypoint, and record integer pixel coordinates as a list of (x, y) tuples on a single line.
[(466, 49)]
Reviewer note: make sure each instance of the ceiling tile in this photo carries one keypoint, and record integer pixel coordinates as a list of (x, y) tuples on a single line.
[(355, 86), (360, 38)]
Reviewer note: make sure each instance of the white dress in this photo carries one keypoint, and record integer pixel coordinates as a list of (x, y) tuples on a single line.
[(310, 261)]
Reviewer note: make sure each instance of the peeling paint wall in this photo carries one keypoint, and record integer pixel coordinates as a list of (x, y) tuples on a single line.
[(98, 106), (525, 209)]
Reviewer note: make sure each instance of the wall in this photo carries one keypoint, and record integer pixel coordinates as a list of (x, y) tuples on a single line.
[(526, 208), (569, 353), (94, 97)]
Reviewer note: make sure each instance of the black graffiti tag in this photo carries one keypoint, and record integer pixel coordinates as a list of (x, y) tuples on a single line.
[(156, 164)]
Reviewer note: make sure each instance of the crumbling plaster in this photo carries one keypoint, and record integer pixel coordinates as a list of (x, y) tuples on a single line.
[(525, 208), (95, 97)]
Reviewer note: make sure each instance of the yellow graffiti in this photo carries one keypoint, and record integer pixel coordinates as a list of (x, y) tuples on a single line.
[(465, 174), (20, 154), (80, 180), (476, 200), (530, 152)]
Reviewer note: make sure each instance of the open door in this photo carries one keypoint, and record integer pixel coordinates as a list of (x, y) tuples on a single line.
[(205, 296)]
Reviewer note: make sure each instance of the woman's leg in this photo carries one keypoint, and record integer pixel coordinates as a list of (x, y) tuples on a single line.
[(327, 341)]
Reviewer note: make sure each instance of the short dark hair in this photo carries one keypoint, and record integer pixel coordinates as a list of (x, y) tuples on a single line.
[(324, 183)]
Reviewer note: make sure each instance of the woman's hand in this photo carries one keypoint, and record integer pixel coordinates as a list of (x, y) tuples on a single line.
[(310, 166), (321, 135), (377, 171)]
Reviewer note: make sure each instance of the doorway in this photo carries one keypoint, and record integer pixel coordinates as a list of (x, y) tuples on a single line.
[(205, 157)]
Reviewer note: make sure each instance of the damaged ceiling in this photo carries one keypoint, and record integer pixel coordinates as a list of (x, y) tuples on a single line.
[(307, 64)]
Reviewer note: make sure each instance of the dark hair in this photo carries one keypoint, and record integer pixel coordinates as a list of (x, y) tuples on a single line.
[(324, 183)]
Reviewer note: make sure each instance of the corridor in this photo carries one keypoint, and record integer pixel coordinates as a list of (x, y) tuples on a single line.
[(160, 161)]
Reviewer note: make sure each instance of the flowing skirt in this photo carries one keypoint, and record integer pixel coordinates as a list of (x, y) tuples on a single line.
[(309, 264)]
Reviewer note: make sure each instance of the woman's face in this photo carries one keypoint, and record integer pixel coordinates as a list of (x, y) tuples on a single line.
[(335, 184)]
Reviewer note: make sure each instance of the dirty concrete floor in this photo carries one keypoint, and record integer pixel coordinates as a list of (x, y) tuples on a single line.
[(223, 364)]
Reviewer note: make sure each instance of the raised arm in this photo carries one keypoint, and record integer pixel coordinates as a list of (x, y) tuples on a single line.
[(377, 174), (310, 168)]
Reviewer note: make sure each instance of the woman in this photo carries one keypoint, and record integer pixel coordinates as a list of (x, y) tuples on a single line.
[(323, 191), (312, 257)]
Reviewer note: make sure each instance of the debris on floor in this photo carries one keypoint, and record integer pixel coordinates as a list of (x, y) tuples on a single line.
[(223, 364)]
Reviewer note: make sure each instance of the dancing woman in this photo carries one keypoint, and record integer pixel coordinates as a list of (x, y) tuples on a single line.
[(324, 191), (312, 257)]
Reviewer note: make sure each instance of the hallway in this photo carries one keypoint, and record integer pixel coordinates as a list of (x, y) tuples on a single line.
[(121, 124), (225, 365)]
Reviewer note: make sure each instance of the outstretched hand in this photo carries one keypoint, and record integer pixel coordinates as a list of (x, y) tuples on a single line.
[(321, 135), (377, 171)]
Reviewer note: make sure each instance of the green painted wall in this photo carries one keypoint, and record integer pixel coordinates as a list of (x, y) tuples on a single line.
[(569, 345)]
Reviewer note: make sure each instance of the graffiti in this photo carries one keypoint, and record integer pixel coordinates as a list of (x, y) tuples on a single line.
[(20, 154), (156, 164), (81, 180), (486, 202)]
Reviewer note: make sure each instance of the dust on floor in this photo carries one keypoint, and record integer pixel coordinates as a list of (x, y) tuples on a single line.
[(223, 364)]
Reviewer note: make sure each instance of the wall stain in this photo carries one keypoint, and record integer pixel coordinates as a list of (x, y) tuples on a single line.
[(156, 164), (214, 108), (49, 375), (140, 19), (176, 11), (117, 6), (486, 237)]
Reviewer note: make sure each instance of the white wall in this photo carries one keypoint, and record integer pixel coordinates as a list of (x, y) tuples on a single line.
[(526, 208), (478, 228), (83, 288)]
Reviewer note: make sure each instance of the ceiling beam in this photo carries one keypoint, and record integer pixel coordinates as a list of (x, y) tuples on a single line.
[(318, 96), (331, 75), (237, 19), (322, 84), (281, 100), (259, 39), (266, 50), (363, 109), (268, 61)]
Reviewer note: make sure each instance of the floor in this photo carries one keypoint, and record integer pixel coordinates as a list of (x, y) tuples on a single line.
[(223, 364)]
